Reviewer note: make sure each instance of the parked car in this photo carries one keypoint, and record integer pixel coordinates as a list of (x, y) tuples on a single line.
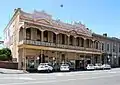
[(98, 66), (31, 67), (45, 67), (90, 67), (106, 66), (64, 67)]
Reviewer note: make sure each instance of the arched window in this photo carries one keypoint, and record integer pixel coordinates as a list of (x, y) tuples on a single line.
[(38, 35), (28, 34), (96, 45), (87, 43), (77, 41), (81, 42), (46, 36), (71, 40), (63, 39), (54, 38)]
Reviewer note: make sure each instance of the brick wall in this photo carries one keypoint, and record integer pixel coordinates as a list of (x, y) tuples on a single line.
[(8, 65)]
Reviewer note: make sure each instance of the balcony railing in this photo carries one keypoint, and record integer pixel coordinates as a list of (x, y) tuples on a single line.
[(48, 44)]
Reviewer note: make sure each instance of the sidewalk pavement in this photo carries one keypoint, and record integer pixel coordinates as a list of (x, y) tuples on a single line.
[(11, 71)]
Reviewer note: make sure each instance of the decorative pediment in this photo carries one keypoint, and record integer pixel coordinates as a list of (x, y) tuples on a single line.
[(25, 17), (41, 14), (44, 21), (73, 32)]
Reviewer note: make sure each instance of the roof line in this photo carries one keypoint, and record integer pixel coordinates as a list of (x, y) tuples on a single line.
[(11, 20)]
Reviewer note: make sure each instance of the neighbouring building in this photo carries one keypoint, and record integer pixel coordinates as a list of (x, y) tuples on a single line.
[(37, 38), (110, 47)]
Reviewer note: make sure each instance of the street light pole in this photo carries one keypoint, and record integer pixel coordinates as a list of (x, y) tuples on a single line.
[(115, 60), (108, 60)]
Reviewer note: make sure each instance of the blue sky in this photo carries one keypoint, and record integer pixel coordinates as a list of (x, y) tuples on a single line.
[(102, 16)]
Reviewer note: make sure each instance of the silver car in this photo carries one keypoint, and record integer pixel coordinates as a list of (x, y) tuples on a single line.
[(98, 66), (64, 67), (90, 67), (45, 67), (106, 66)]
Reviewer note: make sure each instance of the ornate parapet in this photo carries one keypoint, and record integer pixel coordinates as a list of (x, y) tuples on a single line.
[(43, 18)]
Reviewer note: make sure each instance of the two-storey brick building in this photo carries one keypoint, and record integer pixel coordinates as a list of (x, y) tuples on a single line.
[(36, 37)]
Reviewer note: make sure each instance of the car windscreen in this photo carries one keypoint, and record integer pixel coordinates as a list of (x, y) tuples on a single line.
[(99, 64), (90, 65), (43, 64), (64, 65)]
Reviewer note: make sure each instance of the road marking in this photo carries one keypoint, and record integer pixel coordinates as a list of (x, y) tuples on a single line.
[(52, 81)]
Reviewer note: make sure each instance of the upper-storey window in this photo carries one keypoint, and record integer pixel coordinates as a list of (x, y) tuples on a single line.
[(38, 35), (114, 47), (81, 42), (96, 45), (28, 33), (54, 38), (108, 47), (71, 40), (102, 46), (46, 36), (77, 41), (63, 39), (119, 48), (87, 43)]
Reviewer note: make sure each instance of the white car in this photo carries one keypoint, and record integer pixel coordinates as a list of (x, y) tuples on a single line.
[(90, 67), (64, 67), (45, 67), (98, 66), (106, 66)]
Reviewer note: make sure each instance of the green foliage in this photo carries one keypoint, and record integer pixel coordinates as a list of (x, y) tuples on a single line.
[(5, 54)]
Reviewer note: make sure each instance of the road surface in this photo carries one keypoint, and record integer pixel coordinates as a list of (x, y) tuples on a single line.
[(99, 77)]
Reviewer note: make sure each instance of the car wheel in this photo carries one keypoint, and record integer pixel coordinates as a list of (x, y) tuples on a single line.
[(48, 71)]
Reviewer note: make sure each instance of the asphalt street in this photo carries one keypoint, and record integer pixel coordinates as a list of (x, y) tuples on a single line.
[(99, 77)]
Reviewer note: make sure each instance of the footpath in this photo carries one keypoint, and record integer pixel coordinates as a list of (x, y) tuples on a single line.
[(10, 71)]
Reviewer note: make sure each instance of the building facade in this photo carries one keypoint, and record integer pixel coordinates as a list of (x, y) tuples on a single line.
[(110, 47), (37, 38)]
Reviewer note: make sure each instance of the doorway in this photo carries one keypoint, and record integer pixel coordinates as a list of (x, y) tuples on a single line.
[(41, 59), (79, 64), (88, 61)]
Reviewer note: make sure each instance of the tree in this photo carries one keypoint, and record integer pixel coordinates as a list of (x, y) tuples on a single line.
[(5, 54)]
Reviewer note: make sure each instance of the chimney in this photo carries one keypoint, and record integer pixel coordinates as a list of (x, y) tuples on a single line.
[(17, 9), (87, 28), (105, 34)]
